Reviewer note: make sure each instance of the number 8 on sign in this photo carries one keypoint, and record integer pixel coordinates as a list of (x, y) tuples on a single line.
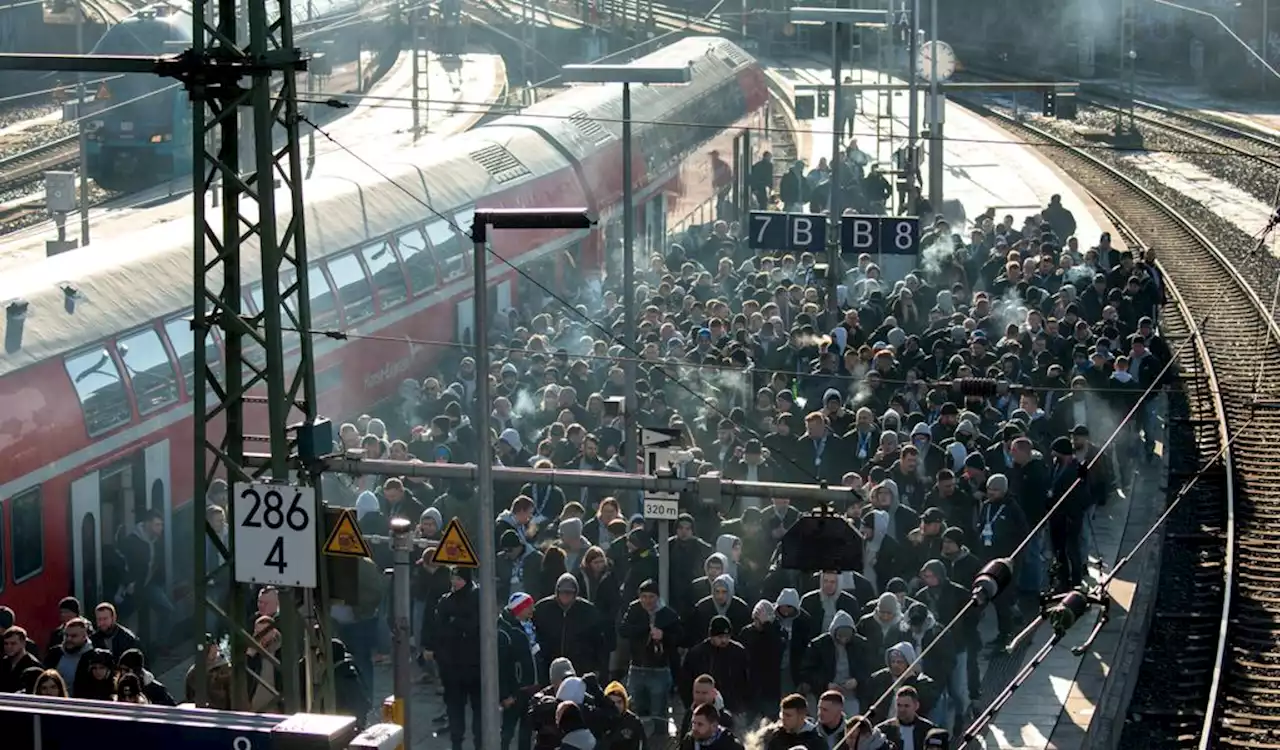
[(275, 539)]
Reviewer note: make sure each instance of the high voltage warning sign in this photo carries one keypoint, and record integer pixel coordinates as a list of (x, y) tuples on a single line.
[(455, 548), (103, 94), (346, 539)]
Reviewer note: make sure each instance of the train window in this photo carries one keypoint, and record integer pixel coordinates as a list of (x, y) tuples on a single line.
[(387, 278), (26, 524), (183, 341), (324, 307), (353, 287), (448, 247), (419, 259), (102, 394), (155, 385)]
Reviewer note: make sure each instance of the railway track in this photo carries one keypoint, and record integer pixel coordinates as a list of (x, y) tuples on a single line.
[(1236, 645), (20, 170)]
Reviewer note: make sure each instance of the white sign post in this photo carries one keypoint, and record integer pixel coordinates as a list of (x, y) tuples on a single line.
[(660, 446), (275, 534)]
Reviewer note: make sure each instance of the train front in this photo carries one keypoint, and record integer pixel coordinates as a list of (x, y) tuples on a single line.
[(139, 125)]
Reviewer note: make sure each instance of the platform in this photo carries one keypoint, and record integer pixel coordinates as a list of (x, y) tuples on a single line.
[(373, 128), (986, 168)]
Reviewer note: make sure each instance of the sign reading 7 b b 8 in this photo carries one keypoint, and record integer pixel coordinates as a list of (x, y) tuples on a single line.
[(774, 230), (887, 235)]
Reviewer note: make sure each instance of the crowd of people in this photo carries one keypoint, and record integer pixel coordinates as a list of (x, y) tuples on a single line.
[(739, 352)]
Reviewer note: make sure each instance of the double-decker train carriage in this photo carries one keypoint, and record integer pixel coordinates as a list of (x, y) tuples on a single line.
[(96, 377)]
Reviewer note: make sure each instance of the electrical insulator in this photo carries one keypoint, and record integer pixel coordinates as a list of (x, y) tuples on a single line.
[(980, 387)]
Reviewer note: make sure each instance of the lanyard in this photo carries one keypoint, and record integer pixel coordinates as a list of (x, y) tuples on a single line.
[(998, 516), (818, 447)]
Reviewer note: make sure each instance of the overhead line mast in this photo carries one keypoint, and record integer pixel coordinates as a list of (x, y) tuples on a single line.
[(214, 70)]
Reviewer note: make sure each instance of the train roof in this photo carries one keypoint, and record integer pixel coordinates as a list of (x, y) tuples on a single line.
[(144, 271), (146, 32)]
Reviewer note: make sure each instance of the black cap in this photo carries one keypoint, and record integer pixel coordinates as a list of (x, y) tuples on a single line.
[(649, 586), (954, 534), (725, 425), (949, 409), (1063, 446), (975, 461), (510, 540), (720, 625), (640, 538), (1011, 431), (1081, 430), (933, 515), (754, 447), (70, 604)]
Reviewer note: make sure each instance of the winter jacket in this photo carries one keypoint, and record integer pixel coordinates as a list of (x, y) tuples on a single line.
[(645, 653), (777, 738), (576, 632), (517, 665), (728, 665), (820, 659), (883, 679), (764, 662), (456, 640)]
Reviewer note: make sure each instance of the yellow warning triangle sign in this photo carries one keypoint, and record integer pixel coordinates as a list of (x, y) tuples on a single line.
[(346, 540), (455, 548), (104, 93)]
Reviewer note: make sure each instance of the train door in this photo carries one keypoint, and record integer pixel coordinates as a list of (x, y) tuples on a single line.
[(86, 538), (466, 310), (118, 487), (159, 497)]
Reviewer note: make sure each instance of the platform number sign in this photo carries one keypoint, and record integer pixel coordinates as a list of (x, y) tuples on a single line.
[(275, 535), (774, 230), (880, 235)]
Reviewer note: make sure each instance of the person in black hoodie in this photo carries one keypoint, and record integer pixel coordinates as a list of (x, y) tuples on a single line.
[(16, 659), (132, 662), (349, 689), (456, 645), (642, 563), (1001, 527), (839, 660), (688, 555), (571, 626), (429, 583), (794, 728), (722, 601), (764, 643), (824, 602), (654, 633), (517, 667), (797, 631), (725, 660), (627, 732), (98, 681)]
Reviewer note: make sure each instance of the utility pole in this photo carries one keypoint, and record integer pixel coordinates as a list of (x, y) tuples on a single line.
[(913, 108), (402, 559), (835, 201), (935, 115), (415, 43), (82, 137)]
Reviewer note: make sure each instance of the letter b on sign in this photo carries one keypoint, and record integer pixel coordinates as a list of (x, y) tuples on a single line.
[(858, 234)]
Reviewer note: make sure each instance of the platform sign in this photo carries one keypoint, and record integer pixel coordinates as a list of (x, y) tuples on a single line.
[(455, 548), (275, 535), (775, 230), (883, 235), (346, 540)]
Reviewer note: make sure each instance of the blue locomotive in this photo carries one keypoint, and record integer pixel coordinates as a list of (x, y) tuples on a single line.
[(139, 126)]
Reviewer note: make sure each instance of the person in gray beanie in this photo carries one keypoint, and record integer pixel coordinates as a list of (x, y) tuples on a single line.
[(1001, 528), (572, 627)]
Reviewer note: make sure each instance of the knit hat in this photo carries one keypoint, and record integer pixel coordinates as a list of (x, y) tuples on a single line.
[(639, 538), (998, 482), (649, 586), (954, 534), (1062, 446), (511, 438), (573, 689), (519, 603), (70, 604), (937, 737), (571, 528), (561, 669), (566, 582), (510, 540), (720, 625)]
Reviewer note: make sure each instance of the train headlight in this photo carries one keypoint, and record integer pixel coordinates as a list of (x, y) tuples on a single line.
[(162, 138)]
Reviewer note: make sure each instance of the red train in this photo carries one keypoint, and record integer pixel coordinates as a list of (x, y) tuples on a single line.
[(95, 416)]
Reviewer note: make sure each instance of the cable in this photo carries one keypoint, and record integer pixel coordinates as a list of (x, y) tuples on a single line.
[(480, 107), (626, 345)]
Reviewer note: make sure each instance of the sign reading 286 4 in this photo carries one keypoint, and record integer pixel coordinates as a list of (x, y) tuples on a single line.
[(275, 535)]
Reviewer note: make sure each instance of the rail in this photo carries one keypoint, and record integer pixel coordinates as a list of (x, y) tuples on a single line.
[(29, 166), (1240, 349)]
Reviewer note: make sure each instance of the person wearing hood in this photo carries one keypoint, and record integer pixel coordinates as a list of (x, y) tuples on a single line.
[(764, 643), (700, 588), (924, 543), (641, 562), (722, 602), (839, 660), (574, 734), (517, 667), (880, 551), (132, 662), (908, 728), (724, 659), (922, 630), (902, 518), (797, 630), (519, 566), (730, 546), (898, 671), (456, 645), (653, 632), (541, 714), (511, 449), (571, 627), (824, 602), (932, 458), (627, 732), (97, 683), (68, 655), (572, 542), (369, 515), (706, 732), (881, 626), (1001, 528), (794, 728)]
